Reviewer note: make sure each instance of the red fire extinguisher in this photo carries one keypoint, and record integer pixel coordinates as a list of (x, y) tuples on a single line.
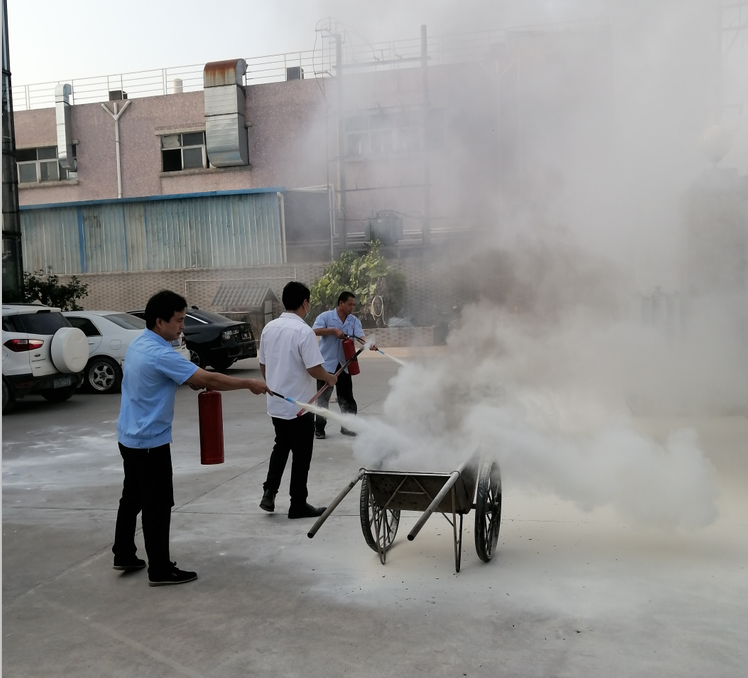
[(349, 351), (211, 427)]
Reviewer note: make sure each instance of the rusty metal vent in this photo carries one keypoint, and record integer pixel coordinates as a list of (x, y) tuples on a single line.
[(225, 126)]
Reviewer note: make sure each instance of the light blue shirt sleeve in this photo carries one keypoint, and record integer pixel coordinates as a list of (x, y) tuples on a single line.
[(358, 330), (175, 366), (320, 321), (330, 346)]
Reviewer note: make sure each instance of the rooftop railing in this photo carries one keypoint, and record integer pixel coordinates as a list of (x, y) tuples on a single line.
[(319, 63)]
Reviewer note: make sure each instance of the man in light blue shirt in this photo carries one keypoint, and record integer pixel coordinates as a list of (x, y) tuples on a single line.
[(332, 327), (152, 372)]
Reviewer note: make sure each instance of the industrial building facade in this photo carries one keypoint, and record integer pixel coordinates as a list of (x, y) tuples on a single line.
[(259, 181)]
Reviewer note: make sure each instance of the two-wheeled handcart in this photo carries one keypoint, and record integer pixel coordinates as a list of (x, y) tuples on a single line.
[(475, 484)]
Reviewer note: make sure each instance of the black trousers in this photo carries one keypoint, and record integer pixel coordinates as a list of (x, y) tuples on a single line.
[(296, 436), (346, 401), (147, 488)]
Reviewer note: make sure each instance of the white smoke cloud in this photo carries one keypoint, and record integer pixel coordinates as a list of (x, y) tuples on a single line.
[(550, 404), (551, 363)]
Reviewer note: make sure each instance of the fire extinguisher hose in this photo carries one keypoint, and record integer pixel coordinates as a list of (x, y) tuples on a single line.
[(379, 350), (326, 386)]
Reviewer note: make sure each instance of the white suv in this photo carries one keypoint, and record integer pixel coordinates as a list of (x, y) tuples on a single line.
[(42, 353)]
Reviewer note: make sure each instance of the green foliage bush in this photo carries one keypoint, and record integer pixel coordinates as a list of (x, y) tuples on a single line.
[(47, 289), (378, 287)]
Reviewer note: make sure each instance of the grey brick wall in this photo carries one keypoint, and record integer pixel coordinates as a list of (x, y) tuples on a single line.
[(129, 291), (429, 292), (402, 336)]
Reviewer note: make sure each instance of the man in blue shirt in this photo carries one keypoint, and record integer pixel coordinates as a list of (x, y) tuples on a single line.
[(333, 326), (152, 372)]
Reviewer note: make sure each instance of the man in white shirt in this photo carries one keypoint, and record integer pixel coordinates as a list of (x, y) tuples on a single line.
[(290, 361)]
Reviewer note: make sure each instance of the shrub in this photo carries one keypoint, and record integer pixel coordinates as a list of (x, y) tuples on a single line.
[(378, 287), (47, 289)]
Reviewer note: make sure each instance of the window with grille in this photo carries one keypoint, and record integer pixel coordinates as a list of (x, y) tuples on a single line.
[(36, 165), (183, 151), (382, 131)]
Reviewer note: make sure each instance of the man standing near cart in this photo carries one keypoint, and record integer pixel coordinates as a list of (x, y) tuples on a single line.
[(333, 326), (152, 372), (290, 361)]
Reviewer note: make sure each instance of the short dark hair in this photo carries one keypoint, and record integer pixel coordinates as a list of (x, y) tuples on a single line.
[(164, 305), (345, 296), (294, 295)]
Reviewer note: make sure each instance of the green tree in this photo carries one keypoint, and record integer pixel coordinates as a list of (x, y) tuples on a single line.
[(378, 287), (47, 289)]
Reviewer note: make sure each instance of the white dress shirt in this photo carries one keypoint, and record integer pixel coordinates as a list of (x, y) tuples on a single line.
[(288, 346)]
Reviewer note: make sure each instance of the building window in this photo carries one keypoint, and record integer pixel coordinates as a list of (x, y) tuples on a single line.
[(183, 151), (383, 131), (36, 165)]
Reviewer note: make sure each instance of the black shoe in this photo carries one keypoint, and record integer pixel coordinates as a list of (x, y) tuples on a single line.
[(127, 564), (346, 432), (306, 511), (320, 435), (175, 576), (268, 501)]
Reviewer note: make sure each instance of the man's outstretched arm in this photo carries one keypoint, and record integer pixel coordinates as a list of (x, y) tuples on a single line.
[(221, 382)]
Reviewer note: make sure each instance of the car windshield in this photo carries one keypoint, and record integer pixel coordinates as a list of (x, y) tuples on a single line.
[(129, 322), (43, 322)]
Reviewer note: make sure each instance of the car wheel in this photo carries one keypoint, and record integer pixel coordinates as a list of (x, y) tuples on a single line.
[(221, 365), (8, 400), (103, 375), (58, 395), (197, 358)]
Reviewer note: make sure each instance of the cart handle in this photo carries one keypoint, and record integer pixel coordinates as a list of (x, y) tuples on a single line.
[(335, 503), (433, 505)]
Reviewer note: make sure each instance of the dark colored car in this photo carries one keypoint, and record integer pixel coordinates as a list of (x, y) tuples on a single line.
[(214, 339)]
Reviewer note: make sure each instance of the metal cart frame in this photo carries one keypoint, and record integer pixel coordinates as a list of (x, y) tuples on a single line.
[(384, 494)]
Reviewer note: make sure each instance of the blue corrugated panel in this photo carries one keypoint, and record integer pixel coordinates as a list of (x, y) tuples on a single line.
[(236, 230), (51, 241)]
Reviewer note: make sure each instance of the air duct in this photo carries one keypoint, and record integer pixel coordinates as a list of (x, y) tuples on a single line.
[(225, 131), (64, 133)]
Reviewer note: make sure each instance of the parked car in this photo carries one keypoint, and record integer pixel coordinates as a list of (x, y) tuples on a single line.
[(109, 333), (42, 353), (215, 340)]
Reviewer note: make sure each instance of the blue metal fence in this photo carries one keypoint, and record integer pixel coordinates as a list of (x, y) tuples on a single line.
[(226, 229)]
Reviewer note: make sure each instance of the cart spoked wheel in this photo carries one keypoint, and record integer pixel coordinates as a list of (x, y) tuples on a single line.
[(378, 525), (487, 510)]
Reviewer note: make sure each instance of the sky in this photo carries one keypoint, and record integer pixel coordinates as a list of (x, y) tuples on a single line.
[(53, 40)]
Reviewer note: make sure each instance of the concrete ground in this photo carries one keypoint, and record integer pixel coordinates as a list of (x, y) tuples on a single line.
[(568, 594)]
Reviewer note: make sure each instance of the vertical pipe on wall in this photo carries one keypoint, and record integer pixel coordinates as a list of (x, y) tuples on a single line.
[(116, 150), (426, 211), (343, 230), (331, 210), (116, 116), (281, 204)]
